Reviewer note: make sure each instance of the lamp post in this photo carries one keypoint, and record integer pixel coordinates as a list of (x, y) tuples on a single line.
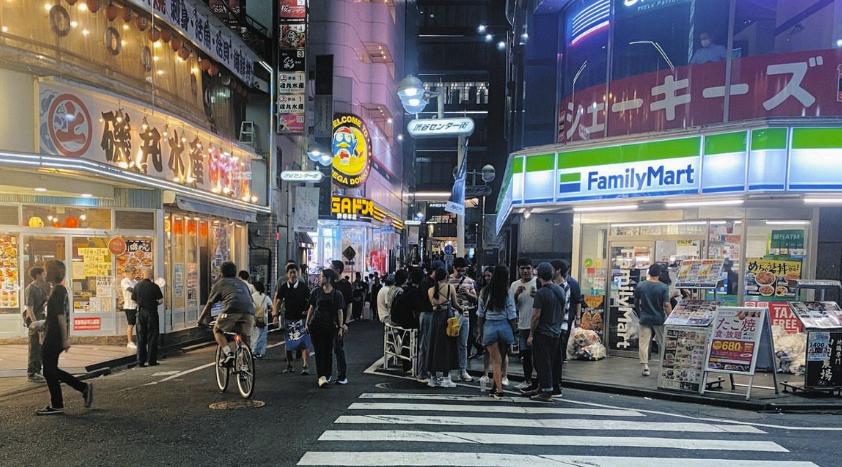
[(488, 174)]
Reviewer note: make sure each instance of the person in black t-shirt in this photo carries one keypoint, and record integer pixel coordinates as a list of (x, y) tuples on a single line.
[(294, 294), (56, 341), (326, 311), (344, 287), (35, 296), (148, 297)]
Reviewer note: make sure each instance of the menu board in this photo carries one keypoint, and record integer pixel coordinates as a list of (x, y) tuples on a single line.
[(699, 273), (9, 278), (824, 359), (693, 313), (138, 255), (593, 314), (736, 340), (821, 315), (192, 284), (772, 277), (684, 353)]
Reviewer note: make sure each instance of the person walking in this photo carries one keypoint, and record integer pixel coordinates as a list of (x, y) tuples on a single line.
[(523, 291), (467, 296), (127, 286), (344, 287), (425, 317), (326, 313), (56, 341), (359, 289), (545, 331), (148, 296), (35, 303), (292, 296), (497, 320), (652, 298), (442, 354), (262, 307)]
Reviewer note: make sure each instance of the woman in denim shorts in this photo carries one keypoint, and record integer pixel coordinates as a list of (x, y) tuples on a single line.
[(497, 319)]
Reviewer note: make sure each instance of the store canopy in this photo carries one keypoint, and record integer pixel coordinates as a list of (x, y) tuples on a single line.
[(303, 239), (201, 207)]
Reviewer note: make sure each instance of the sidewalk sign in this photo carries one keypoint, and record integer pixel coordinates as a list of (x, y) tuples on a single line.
[(822, 321), (735, 344), (699, 273), (686, 333)]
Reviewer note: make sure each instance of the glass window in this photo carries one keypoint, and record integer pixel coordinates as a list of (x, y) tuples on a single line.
[(37, 250), (92, 277), (775, 258), (660, 228), (724, 242), (66, 217), (592, 266), (192, 274), (220, 251), (177, 245)]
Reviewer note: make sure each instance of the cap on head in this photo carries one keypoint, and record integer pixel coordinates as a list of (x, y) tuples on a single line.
[(545, 271), (437, 265)]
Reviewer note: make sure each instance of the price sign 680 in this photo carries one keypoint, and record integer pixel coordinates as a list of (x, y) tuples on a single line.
[(731, 346)]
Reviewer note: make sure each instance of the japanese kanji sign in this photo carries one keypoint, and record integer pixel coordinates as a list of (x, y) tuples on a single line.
[(699, 273), (736, 339), (291, 83), (824, 359), (441, 127), (771, 277), (84, 124)]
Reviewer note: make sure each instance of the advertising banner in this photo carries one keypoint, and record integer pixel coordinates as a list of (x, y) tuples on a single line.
[(456, 202), (781, 315), (699, 273), (736, 340), (306, 211), (693, 313), (351, 150), (772, 277)]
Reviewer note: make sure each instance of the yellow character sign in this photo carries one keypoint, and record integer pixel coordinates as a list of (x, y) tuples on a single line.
[(351, 150)]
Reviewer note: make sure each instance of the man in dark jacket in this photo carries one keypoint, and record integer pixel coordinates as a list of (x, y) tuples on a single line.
[(148, 296)]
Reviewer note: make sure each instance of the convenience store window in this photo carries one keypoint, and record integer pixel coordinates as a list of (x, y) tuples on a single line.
[(776, 256)]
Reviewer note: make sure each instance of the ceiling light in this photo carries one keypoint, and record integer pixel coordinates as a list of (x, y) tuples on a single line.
[(40, 190), (650, 224), (501, 45), (527, 213), (126, 26), (481, 28), (621, 207), (488, 37), (389, 120), (692, 204), (73, 24), (83, 6), (787, 222), (4, 29), (823, 200), (48, 7), (400, 137), (85, 32), (86, 195)]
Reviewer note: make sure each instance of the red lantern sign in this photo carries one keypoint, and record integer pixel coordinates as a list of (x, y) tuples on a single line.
[(117, 246)]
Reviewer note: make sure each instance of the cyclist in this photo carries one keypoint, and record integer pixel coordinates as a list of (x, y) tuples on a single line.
[(237, 313)]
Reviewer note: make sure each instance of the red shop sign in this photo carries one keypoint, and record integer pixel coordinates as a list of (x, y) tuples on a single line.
[(86, 324), (117, 246)]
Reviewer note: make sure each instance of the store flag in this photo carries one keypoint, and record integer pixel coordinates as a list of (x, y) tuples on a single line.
[(456, 203)]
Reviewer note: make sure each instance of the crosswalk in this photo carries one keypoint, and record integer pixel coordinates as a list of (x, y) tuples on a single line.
[(457, 430)]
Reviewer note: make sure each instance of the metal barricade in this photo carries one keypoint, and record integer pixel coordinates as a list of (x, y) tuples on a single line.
[(399, 345)]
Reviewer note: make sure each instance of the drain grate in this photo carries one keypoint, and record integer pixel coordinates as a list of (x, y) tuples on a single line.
[(236, 405)]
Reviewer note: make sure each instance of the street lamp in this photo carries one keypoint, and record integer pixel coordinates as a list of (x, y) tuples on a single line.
[(488, 173), (317, 154), (414, 97)]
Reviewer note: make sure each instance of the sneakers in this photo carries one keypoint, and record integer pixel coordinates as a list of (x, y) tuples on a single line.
[(50, 411), (88, 395), (529, 389), (433, 383), (304, 371), (506, 382), (323, 382), (557, 393), (131, 345), (542, 397), (494, 394), (36, 378), (447, 383), (466, 377), (531, 393), (646, 371), (289, 369), (227, 361), (423, 380), (342, 381), (258, 355), (524, 386)]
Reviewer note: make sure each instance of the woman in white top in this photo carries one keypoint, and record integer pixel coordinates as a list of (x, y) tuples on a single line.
[(129, 306)]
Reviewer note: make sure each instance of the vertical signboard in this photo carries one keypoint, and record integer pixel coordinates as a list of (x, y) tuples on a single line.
[(291, 66)]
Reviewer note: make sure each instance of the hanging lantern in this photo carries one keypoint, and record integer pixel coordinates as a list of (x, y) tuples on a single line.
[(175, 44), (57, 224), (71, 2), (203, 229), (112, 12), (142, 23), (127, 14), (71, 222), (205, 64), (191, 227), (214, 70), (178, 227), (184, 52), (94, 5), (36, 221), (166, 35), (154, 34)]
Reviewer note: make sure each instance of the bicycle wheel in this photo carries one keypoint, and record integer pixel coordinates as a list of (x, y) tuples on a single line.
[(245, 371), (222, 372)]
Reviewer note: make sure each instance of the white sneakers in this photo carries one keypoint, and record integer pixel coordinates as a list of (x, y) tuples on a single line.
[(432, 382), (131, 345), (322, 381), (466, 377), (447, 383), (506, 382), (645, 370)]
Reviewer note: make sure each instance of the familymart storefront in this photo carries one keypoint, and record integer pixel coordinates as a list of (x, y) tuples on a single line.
[(746, 199)]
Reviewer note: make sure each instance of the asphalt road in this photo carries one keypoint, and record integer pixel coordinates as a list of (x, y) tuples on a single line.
[(161, 416)]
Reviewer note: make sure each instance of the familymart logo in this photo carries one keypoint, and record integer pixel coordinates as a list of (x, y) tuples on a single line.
[(631, 179)]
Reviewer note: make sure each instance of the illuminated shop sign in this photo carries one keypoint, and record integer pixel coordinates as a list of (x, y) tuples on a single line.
[(349, 208), (351, 150)]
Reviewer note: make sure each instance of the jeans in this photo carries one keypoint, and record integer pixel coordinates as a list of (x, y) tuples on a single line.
[(34, 360), (464, 333), (322, 338), (147, 336), (339, 350), (55, 377), (258, 339), (525, 353), (545, 352), (425, 319), (646, 332), (497, 331)]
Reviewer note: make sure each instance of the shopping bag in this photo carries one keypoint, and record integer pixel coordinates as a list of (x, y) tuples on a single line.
[(367, 311)]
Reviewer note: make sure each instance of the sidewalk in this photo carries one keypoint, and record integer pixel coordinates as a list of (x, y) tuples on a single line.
[(620, 375)]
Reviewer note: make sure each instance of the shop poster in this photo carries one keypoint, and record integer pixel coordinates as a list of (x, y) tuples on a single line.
[(593, 315), (736, 340), (9, 272), (693, 313), (824, 359), (772, 277), (192, 284), (138, 255), (821, 315), (699, 273), (684, 353), (780, 314)]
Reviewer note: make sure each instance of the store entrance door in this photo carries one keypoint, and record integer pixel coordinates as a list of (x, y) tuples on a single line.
[(628, 264)]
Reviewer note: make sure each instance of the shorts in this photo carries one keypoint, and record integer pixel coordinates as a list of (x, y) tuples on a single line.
[(522, 337), (241, 323), (295, 337), (131, 317), (497, 332)]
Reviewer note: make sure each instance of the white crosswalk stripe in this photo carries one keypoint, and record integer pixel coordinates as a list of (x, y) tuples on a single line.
[(519, 432)]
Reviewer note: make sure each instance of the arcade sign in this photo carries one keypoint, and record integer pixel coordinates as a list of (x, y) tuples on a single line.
[(352, 208)]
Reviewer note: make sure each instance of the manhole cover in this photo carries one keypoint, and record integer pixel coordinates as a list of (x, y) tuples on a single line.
[(235, 405), (408, 385)]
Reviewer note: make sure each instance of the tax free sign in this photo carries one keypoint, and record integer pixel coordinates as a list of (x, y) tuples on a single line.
[(658, 168)]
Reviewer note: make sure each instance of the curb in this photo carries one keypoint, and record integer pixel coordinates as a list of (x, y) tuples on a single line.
[(741, 404)]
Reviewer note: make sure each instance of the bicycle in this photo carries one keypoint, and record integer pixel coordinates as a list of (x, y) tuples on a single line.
[(243, 367)]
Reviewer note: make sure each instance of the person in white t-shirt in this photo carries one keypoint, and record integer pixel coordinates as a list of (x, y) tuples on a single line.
[(523, 291), (129, 306)]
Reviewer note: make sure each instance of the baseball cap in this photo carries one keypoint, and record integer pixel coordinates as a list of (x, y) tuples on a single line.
[(545, 271)]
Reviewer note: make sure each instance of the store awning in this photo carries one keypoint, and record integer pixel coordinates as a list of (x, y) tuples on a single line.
[(303, 240), (202, 207)]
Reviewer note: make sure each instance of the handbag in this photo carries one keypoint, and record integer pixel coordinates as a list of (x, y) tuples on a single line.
[(453, 324)]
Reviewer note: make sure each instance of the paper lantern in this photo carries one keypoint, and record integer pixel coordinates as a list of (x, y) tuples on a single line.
[(191, 228), (36, 221), (127, 14), (203, 230), (166, 35), (57, 224), (154, 34), (71, 222), (142, 23), (205, 64), (175, 44), (214, 70), (178, 228), (184, 52), (112, 11), (94, 5), (71, 2)]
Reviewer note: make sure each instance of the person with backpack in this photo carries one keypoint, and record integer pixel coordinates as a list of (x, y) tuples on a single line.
[(442, 349), (259, 333), (35, 301), (327, 307)]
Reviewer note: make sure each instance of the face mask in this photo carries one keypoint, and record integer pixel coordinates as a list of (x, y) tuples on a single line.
[(705, 42)]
